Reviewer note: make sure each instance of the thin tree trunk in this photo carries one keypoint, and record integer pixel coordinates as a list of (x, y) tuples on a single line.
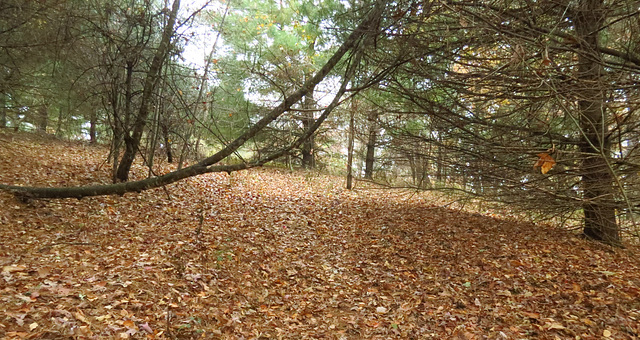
[(153, 140), (3, 111), (122, 119), (184, 151), (350, 148), (200, 100), (167, 143), (116, 129), (440, 161), (93, 122), (42, 119), (59, 123), (115, 153), (597, 178), (308, 157), (132, 142), (371, 144)]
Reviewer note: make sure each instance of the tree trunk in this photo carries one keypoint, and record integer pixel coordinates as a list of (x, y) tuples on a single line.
[(350, 149), (3, 111), (167, 143), (153, 140), (132, 142), (440, 161), (42, 119), (93, 121), (308, 157), (122, 122), (423, 176), (184, 152), (597, 178), (371, 144)]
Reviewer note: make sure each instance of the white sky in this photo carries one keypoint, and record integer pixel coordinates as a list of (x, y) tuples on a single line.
[(198, 47)]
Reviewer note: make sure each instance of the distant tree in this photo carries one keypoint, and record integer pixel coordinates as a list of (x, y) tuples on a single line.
[(283, 44)]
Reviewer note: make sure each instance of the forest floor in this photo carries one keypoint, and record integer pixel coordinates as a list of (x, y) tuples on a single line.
[(274, 254)]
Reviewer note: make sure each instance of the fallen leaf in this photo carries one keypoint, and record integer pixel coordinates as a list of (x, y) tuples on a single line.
[(80, 317), (145, 327), (13, 268), (545, 162), (555, 325)]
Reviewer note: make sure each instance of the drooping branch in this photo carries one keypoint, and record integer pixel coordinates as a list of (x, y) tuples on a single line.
[(366, 27)]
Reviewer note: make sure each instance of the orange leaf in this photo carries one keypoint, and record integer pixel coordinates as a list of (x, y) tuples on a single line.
[(545, 162)]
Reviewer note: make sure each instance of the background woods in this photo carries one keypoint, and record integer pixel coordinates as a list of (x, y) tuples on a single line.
[(529, 104)]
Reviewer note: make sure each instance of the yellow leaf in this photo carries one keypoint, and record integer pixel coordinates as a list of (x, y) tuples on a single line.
[(545, 162), (13, 268), (606, 333), (555, 325), (80, 317), (33, 326)]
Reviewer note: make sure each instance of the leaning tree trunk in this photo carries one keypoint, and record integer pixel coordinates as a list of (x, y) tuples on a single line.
[(597, 178), (132, 141)]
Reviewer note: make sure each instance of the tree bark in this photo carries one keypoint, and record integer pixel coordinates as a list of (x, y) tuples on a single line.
[(167, 143), (308, 157), (350, 148), (153, 140), (3, 111), (42, 118), (371, 144), (597, 178), (93, 121), (132, 141)]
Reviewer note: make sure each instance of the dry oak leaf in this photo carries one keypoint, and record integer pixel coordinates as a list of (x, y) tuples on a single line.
[(13, 268), (545, 162)]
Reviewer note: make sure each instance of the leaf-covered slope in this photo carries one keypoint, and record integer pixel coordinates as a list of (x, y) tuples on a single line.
[(272, 254)]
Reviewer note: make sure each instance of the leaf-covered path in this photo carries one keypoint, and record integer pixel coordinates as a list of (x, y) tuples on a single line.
[(269, 254)]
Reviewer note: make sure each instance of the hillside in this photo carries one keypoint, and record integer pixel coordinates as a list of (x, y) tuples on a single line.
[(270, 254)]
